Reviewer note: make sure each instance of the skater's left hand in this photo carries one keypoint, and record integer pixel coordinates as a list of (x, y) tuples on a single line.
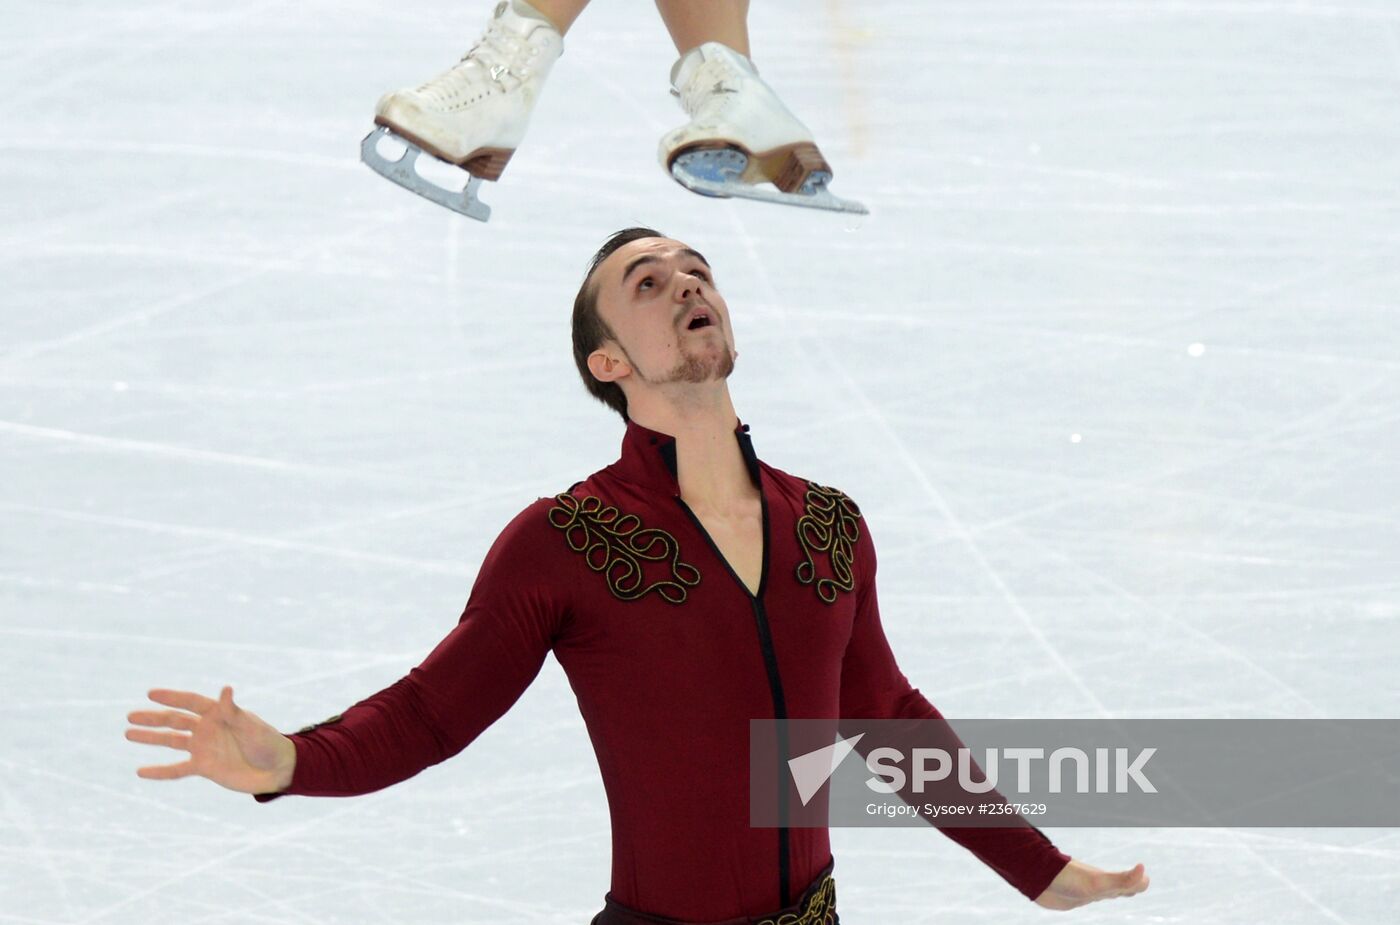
[(1079, 884)]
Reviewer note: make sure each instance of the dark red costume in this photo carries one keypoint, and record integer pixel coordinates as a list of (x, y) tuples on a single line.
[(669, 656)]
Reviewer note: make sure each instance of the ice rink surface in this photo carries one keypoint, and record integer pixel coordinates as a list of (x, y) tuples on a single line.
[(1113, 370)]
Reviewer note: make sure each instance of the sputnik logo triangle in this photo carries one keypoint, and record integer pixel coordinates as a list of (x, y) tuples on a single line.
[(813, 769)]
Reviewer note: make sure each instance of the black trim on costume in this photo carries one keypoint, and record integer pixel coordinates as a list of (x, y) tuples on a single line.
[(668, 456), (763, 572), (750, 457), (775, 681), (775, 686)]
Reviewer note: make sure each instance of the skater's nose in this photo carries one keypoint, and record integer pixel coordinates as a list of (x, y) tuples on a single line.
[(687, 286)]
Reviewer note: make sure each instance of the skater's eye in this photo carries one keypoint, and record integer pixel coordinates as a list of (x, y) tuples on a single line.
[(646, 283), (702, 274)]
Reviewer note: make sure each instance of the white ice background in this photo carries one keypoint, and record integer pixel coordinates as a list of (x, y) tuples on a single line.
[(1113, 370)]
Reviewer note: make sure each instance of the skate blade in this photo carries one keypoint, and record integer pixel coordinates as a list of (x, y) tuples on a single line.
[(717, 171), (403, 172)]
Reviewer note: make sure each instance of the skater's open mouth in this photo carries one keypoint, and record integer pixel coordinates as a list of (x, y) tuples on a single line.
[(700, 319)]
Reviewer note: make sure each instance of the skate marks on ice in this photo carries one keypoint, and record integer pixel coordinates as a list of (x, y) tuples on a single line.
[(403, 170), (721, 172)]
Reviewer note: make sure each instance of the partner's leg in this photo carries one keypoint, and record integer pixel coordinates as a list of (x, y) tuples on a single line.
[(695, 22), (561, 13)]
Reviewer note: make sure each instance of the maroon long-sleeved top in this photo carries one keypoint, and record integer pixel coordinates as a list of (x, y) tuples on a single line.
[(669, 656)]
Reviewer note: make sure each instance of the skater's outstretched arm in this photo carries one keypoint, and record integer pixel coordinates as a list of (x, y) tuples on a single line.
[(873, 687), (692, 24), (516, 610)]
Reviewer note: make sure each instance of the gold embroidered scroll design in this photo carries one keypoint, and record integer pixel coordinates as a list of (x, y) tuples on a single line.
[(314, 726), (618, 546), (820, 908), (831, 525)]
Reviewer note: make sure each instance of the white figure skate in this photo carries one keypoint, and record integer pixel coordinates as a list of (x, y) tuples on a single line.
[(740, 135), (472, 115)]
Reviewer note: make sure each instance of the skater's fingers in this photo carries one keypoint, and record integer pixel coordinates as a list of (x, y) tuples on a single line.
[(166, 771), (168, 739), (1121, 883), (185, 700), (1128, 878), (1133, 881), (169, 718)]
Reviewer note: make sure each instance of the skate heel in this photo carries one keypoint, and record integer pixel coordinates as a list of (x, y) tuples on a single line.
[(795, 165), (487, 163), (799, 173)]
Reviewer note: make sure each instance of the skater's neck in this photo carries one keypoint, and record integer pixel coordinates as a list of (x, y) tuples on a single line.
[(710, 467)]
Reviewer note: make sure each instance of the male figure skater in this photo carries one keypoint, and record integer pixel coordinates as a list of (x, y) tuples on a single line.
[(685, 589)]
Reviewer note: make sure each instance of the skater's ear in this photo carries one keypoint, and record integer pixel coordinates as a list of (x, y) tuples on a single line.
[(606, 366)]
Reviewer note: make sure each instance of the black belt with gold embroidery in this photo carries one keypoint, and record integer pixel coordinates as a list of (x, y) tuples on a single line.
[(816, 906)]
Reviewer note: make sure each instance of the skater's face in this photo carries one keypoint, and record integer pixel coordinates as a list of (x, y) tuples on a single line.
[(670, 323)]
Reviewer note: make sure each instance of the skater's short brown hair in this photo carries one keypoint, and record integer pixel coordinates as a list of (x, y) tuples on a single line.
[(590, 330)]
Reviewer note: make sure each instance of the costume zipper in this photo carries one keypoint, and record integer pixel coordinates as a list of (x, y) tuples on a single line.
[(775, 684)]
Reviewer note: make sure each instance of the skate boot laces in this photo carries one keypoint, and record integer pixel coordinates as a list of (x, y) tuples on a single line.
[(499, 53)]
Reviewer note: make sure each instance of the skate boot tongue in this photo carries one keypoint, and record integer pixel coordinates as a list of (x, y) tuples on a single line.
[(684, 68), (514, 35), (521, 16), (522, 19)]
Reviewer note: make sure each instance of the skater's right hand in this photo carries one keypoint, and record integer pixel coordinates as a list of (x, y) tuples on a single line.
[(1078, 884), (227, 744)]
